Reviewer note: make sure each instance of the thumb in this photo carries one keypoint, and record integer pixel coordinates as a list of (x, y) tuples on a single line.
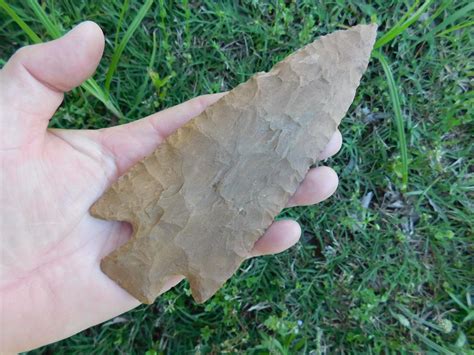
[(33, 81)]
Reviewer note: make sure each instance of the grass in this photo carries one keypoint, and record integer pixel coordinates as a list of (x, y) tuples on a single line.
[(120, 47), (395, 100), (384, 266), (405, 22)]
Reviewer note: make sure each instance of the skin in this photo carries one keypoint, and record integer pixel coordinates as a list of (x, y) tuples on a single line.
[(51, 286)]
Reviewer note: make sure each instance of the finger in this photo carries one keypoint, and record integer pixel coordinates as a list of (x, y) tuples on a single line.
[(280, 236), (33, 81), (131, 142), (319, 184), (333, 146)]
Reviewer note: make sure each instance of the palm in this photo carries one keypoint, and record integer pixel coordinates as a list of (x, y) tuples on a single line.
[(55, 251), (65, 182), (51, 285)]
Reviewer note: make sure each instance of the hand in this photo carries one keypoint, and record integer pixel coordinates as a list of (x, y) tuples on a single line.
[(51, 285)]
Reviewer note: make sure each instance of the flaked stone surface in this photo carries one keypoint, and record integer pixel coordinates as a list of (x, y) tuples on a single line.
[(200, 202)]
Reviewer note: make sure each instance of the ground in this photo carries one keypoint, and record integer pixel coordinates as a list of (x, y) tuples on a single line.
[(385, 265)]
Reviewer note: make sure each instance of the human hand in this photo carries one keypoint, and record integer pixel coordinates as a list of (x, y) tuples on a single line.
[(51, 285)]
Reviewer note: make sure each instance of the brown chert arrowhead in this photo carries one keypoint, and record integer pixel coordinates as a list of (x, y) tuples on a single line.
[(199, 203)]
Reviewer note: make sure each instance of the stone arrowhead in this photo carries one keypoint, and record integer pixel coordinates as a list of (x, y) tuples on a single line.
[(199, 203)]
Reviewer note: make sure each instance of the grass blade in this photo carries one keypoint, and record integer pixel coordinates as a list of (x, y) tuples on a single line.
[(91, 86), (121, 47), (142, 89), (123, 10), (406, 14), (465, 11), (431, 344), (14, 16), (458, 302), (399, 28), (53, 30), (395, 99), (455, 28)]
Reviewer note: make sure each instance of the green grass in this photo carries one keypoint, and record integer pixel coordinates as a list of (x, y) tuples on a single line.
[(397, 111), (384, 266), (120, 47)]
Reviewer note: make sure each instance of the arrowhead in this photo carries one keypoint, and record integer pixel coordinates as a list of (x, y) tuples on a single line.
[(204, 197)]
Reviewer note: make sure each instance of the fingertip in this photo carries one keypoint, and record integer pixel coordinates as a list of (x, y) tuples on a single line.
[(66, 62), (280, 236), (326, 175), (89, 28), (92, 32), (333, 146), (322, 182), (89, 39), (209, 99), (319, 184)]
